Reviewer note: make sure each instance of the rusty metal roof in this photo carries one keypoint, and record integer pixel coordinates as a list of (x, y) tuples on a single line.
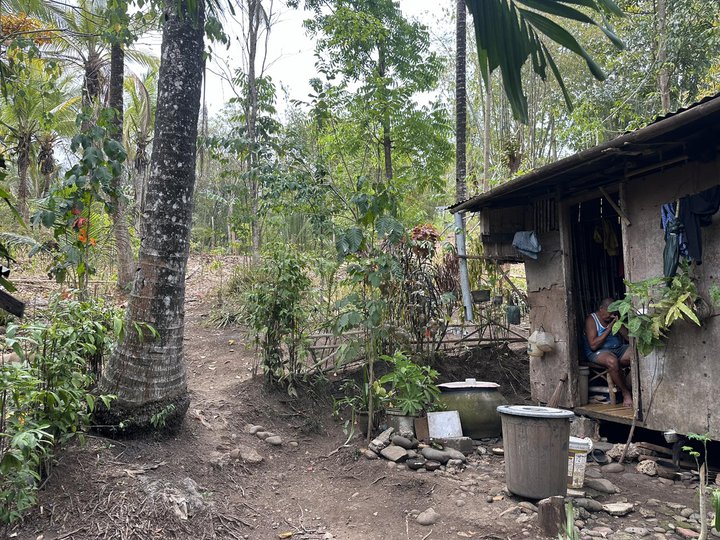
[(670, 138)]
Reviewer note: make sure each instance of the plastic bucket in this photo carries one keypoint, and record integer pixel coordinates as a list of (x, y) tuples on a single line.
[(578, 449), (536, 441)]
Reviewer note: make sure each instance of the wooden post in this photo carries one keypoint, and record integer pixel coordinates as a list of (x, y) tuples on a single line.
[(551, 516), (11, 304)]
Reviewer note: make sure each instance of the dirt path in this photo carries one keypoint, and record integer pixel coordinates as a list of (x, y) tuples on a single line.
[(190, 487)]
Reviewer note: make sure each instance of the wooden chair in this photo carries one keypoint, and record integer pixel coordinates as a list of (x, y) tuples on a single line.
[(601, 377)]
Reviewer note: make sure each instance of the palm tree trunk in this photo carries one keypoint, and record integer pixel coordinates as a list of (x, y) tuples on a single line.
[(148, 374), (23, 164), (461, 192), (125, 259)]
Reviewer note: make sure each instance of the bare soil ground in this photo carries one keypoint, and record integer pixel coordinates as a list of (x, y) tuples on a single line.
[(310, 487)]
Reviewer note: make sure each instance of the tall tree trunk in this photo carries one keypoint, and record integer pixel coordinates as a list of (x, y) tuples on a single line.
[(148, 374), (254, 11), (461, 191), (387, 141), (486, 135), (664, 74), (23, 164), (125, 259)]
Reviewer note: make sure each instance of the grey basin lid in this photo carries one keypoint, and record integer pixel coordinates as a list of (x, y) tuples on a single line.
[(468, 383), (534, 412)]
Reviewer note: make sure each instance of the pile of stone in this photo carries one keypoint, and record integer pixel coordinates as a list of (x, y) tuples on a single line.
[(416, 456)]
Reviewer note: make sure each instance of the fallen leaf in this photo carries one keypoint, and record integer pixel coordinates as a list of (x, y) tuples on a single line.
[(286, 534)]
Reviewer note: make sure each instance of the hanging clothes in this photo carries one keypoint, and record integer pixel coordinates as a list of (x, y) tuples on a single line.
[(696, 211), (527, 243), (604, 234), (668, 212)]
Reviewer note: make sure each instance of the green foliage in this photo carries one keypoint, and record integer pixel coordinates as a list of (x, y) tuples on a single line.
[(277, 313), (45, 397), (703, 469), (68, 211), (508, 35), (651, 306), (571, 532), (159, 418), (358, 396), (412, 386)]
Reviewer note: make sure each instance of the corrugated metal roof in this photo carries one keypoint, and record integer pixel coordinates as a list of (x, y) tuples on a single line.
[(668, 129)]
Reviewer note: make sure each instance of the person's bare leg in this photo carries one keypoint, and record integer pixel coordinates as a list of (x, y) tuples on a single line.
[(610, 361)]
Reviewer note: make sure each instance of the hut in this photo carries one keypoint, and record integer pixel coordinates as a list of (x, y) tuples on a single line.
[(597, 216)]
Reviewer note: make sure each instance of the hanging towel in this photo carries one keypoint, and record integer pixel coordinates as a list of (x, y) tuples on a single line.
[(526, 242)]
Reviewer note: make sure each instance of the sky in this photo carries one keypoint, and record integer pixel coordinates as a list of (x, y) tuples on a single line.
[(290, 58)]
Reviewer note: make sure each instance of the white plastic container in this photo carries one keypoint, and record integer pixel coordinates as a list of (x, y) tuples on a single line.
[(578, 449)]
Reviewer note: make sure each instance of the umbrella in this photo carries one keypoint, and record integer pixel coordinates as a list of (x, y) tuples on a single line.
[(671, 253)]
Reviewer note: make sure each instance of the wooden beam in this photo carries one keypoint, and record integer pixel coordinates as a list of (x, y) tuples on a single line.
[(619, 210), (11, 304)]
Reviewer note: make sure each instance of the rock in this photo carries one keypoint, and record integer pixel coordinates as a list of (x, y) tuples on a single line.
[(646, 513), (369, 454), (432, 465), (428, 517), (246, 454), (612, 468), (431, 454), (575, 493), (394, 453), (460, 503), (481, 451), (593, 472), (415, 463), (638, 532), (461, 444), (498, 451), (262, 435), (294, 444), (412, 454), (687, 512), (602, 485), (381, 441), (275, 440), (617, 451), (456, 454), (687, 533), (647, 467), (590, 505), (454, 464), (618, 509), (404, 442), (252, 429)]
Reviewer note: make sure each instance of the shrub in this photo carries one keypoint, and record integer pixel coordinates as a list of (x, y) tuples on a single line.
[(277, 313), (45, 397)]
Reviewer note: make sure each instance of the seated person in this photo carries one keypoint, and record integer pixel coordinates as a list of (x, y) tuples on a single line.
[(610, 350)]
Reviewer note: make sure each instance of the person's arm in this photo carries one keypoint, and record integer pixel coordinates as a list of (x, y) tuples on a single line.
[(594, 340)]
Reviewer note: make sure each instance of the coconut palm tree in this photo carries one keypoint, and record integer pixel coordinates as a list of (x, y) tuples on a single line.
[(82, 43), (511, 32), (139, 124), (40, 112), (148, 375)]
